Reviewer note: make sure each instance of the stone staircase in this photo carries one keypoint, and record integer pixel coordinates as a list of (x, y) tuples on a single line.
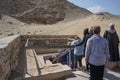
[(38, 68)]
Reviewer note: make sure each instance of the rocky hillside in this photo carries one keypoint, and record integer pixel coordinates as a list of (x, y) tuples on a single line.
[(41, 11), (105, 16)]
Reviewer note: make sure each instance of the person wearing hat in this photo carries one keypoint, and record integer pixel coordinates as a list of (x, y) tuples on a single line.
[(96, 54), (113, 40)]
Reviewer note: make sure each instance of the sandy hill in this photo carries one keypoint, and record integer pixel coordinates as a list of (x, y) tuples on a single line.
[(41, 11), (56, 17)]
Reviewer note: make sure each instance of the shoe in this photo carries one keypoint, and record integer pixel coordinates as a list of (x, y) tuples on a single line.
[(74, 69), (80, 68)]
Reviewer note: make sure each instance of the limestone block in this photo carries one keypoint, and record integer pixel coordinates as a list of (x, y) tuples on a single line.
[(9, 39), (9, 50), (48, 62), (51, 75), (41, 61)]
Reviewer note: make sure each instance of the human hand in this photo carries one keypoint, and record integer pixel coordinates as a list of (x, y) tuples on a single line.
[(108, 60)]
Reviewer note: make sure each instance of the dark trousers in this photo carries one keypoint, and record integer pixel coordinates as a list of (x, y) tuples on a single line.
[(87, 66), (96, 72), (78, 59)]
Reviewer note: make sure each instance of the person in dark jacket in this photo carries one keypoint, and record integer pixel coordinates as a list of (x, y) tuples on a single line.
[(87, 34), (113, 40), (84, 40)]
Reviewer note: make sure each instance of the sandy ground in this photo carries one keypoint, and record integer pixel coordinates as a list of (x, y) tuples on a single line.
[(10, 26), (69, 26)]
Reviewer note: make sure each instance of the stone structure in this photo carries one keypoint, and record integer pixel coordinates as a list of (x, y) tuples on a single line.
[(9, 50), (18, 56), (47, 43), (40, 69), (14, 61)]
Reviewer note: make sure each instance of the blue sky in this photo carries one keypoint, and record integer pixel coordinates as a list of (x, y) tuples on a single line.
[(111, 6)]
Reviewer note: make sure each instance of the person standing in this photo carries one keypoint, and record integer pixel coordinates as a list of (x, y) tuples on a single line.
[(78, 53), (84, 40), (87, 34), (113, 40), (96, 54)]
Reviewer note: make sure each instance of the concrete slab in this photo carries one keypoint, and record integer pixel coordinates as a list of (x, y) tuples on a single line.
[(51, 72)]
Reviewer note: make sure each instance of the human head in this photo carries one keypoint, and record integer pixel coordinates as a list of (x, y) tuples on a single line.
[(91, 30), (96, 29), (112, 26), (86, 31)]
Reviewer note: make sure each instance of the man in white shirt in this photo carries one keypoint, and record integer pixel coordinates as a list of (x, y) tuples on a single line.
[(96, 54)]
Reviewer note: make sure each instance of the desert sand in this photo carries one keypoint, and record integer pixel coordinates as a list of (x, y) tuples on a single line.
[(10, 26), (75, 18)]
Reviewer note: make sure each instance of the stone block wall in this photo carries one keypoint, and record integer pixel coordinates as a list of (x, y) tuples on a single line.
[(9, 50), (25, 37), (47, 43), (45, 40)]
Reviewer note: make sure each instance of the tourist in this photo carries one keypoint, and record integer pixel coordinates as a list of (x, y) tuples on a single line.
[(96, 54), (84, 40), (113, 40), (78, 53), (87, 34)]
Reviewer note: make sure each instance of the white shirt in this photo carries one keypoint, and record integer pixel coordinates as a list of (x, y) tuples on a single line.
[(97, 50), (78, 49)]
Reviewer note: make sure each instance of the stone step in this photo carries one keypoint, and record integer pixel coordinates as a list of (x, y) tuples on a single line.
[(48, 62), (32, 67), (41, 61), (51, 72)]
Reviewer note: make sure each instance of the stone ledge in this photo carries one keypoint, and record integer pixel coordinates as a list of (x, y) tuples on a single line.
[(9, 39)]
